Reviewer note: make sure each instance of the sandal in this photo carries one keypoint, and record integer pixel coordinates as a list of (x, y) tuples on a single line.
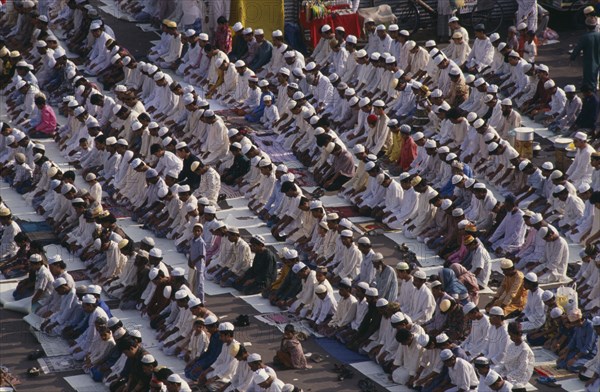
[(549, 381), (33, 372), (39, 353)]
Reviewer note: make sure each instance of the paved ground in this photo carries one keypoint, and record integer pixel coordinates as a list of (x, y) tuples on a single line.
[(16, 342)]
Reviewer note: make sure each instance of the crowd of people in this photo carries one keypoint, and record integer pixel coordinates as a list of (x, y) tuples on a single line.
[(414, 136)]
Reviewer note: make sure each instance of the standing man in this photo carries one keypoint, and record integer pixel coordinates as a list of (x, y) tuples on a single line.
[(589, 43), (444, 9)]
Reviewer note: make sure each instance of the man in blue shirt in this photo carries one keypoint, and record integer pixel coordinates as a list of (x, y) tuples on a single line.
[(581, 346)]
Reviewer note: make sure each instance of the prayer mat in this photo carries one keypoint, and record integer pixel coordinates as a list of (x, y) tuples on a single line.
[(84, 383), (550, 370), (79, 275), (372, 228), (276, 151), (278, 318), (34, 320), (40, 232), (52, 346), (303, 176), (59, 364), (119, 211), (344, 212), (230, 192), (340, 352)]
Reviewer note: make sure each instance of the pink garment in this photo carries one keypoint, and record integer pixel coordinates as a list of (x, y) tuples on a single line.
[(468, 280), (458, 255), (48, 123), (214, 248)]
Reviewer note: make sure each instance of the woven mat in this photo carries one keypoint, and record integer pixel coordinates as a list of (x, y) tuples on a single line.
[(230, 191), (344, 212), (551, 370), (59, 364)]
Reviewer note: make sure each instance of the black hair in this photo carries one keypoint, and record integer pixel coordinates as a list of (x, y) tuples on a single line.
[(403, 335)]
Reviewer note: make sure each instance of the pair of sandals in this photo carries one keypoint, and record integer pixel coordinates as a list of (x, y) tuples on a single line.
[(242, 321), (343, 372)]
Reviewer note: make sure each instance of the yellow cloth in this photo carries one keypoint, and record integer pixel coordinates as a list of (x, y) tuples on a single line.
[(394, 152), (265, 14)]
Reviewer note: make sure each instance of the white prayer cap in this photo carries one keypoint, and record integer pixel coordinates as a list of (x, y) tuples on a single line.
[(277, 34), (79, 110), (284, 71), (443, 150), (468, 307), (453, 19), (446, 354), (536, 218), (178, 272), (584, 187), (369, 166), (531, 277), (41, 44), (95, 25), (364, 102), (556, 174), (491, 378), (247, 30), (524, 164), (596, 321), (310, 66), (181, 294), (480, 186), (494, 37), (381, 302), (420, 274), (298, 267), (569, 88), (351, 39), (522, 26), (496, 311), (210, 210), (558, 189), (457, 178), (450, 157), (379, 103), (430, 143), (175, 378), (290, 54), (372, 292), (549, 84), (547, 295), (282, 168), (547, 165), (260, 376), (88, 299), (418, 136), (190, 32), (325, 28), (315, 204), (346, 223), (361, 53), (469, 78), (542, 67), (115, 58), (397, 317), (423, 340), (320, 289), (194, 301), (492, 146), (438, 59), (254, 357), (155, 252), (334, 77), (332, 216), (375, 56), (346, 233), (59, 52), (203, 37), (404, 33), (506, 102), (188, 98), (556, 313), (437, 93), (136, 125), (240, 63), (292, 254), (148, 358), (263, 83), (238, 26), (218, 62), (501, 46), (580, 136), (259, 32), (159, 75)]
